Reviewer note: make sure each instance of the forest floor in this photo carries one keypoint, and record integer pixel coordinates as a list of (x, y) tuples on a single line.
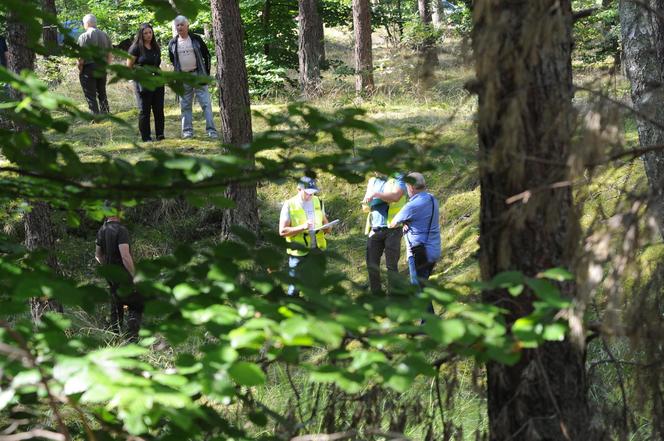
[(444, 111)]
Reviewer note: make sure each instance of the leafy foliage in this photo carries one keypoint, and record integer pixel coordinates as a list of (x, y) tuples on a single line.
[(228, 295)]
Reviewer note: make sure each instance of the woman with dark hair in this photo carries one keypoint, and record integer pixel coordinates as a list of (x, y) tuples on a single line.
[(145, 51)]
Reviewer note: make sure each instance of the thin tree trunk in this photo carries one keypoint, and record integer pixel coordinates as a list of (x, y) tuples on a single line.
[(235, 108), (320, 37), (643, 46), (309, 48), (50, 31), (525, 123), (428, 51), (38, 225), (364, 80), (265, 20), (437, 14)]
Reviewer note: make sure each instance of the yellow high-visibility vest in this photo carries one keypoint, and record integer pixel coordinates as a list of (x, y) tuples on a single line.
[(393, 208), (298, 217)]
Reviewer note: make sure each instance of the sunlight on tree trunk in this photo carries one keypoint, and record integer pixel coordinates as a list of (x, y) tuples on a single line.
[(643, 47), (309, 48), (235, 108), (525, 120), (364, 80)]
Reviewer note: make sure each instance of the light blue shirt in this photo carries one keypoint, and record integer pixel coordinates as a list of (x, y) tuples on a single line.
[(417, 215), (378, 207)]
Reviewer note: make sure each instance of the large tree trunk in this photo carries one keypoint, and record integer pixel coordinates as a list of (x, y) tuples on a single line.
[(364, 80), (309, 48), (38, 225), (525, 120), (50, 30), (234, 107), (428, 52), (643, 47)]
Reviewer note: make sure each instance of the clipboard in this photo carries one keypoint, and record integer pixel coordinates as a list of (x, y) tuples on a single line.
[(327, 225)]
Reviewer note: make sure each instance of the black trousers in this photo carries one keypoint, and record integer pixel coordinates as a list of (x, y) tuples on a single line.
[(134, 303), (94, 88), (387, 241), (150, 101)]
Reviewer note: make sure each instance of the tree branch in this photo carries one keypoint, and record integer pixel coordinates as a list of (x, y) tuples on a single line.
[(584, 13)]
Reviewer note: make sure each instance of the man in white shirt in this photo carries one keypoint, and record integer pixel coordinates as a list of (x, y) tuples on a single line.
[(189, 53)]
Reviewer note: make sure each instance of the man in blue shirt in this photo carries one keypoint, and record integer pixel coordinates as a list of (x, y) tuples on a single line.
[(382, 201), (420, 218)]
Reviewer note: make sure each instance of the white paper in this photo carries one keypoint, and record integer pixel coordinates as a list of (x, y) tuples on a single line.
[(331, 224)]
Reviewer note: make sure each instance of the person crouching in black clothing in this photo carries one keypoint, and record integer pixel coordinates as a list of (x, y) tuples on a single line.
[(112, 248)]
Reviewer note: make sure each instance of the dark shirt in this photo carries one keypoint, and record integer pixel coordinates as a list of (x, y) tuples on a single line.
[(149, 57), (109, 237), (3, 52)]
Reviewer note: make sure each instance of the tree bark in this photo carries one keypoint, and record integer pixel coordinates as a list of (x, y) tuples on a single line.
[(235, 108), (437, 14), (320, 37), (643, 48), (39, 230), (364, 80), (525, 124), (309, 48), (50, 31), (428, 52)]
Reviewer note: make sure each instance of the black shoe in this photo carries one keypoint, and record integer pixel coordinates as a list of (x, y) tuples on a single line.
[(160, 138), (147, 140)]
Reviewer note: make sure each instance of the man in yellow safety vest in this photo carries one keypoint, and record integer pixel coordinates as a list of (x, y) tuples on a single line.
[(384, 197), (300, 221)]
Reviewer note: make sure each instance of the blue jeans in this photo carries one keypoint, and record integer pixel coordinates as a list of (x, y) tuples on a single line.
[(420, 274), (293, 262), (186, 104)]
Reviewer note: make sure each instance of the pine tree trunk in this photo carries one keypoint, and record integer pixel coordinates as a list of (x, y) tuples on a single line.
[(643, 47), (265, 20), (38, 225), (320, 37), (50, 31), (364, 80), (428, 52), (235, 108), (525, 123), (309, 48), (437, 14)]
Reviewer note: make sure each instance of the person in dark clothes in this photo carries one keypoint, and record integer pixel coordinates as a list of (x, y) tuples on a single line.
[(145, 51), (94, 84), (112, 248)]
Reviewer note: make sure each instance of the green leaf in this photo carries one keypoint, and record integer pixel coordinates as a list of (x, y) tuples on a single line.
[(246, 374), (445, 331), (557, 274), (548, 292), (555, 332)]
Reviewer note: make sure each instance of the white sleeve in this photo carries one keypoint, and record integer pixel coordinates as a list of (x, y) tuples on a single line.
[(285, 213)]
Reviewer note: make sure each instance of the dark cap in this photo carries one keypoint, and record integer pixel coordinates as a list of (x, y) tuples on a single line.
[(308, 185)]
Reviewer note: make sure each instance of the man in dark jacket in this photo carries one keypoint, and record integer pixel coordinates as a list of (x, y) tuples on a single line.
[(112, 248), (188, 53)]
